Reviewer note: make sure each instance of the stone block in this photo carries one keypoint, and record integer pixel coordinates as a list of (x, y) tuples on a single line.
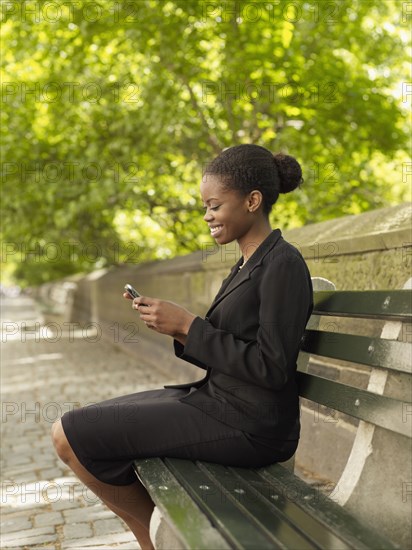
[(77, 530)]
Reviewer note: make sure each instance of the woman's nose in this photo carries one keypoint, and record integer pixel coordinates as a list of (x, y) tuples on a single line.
[(208, 216)]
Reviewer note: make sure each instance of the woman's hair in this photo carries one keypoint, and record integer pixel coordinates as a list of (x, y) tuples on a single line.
[(247, 167)]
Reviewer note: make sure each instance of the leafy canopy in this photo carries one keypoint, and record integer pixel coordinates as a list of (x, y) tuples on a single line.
[(110, 110)]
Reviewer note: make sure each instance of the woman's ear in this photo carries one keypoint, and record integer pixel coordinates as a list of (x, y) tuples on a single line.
[(255, 200)]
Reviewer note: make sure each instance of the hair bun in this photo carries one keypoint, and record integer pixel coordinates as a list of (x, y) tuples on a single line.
[(290, 172)]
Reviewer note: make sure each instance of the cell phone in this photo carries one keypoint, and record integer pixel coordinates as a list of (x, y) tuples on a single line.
[(131, 291)]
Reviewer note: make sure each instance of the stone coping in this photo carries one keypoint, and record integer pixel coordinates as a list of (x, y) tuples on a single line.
[(382, 229)]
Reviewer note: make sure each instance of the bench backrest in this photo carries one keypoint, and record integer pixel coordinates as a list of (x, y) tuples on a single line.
[(356, 358), (377, 351)]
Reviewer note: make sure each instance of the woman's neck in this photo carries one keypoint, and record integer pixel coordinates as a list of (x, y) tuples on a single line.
[(250, 242)]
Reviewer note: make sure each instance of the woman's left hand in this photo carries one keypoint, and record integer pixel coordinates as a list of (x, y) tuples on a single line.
[(163, 316)]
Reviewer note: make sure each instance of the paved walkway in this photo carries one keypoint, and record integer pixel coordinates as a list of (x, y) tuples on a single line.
[(44, 374)]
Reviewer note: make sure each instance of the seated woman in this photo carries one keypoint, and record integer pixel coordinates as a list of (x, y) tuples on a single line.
[(245, 411)]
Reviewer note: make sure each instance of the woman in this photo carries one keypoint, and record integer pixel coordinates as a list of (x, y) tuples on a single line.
[(245, 411)]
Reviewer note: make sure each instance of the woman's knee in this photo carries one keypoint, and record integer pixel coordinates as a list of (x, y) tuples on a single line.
[(60, 442)]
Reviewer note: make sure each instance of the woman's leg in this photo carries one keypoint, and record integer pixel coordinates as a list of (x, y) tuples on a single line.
[(131, 503)]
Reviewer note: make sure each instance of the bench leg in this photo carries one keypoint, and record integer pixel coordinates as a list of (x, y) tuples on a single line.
[(161, 535)]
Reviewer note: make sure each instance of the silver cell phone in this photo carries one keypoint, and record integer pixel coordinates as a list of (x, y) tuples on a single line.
[(131, 291)]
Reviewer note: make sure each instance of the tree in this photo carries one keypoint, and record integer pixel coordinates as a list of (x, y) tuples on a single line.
[(110, 110)]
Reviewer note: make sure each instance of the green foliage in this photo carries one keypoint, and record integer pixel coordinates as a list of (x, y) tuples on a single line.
[(110, 110)]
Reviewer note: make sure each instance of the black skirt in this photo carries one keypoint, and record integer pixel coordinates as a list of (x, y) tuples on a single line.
[(108, 436)]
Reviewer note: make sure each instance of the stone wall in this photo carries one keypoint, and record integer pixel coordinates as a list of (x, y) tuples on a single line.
[(370, 251)]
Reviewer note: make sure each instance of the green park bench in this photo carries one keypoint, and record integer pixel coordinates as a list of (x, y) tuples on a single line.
[(202, 505)]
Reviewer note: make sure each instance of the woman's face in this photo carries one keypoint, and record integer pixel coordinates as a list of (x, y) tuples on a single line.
[(226, 211)]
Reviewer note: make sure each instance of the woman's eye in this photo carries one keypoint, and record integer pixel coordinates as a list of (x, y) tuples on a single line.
[(211, 208)]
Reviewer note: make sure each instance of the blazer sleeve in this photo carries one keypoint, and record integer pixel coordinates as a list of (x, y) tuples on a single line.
[(269, 360)]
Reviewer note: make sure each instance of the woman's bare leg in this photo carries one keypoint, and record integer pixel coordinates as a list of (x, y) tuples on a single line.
[(131, 503)]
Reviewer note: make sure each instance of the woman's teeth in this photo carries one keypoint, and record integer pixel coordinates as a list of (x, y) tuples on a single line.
[(215, 229)]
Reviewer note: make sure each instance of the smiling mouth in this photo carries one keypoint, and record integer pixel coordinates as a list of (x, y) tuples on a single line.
[(216, 229)]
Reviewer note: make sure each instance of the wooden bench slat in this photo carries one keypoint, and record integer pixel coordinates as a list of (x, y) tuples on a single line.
[(269, 515), (381, 410), (375, 352), (319, 528), (366, 303), (188, 522), (239, 529), (339, 520), (281, 509)]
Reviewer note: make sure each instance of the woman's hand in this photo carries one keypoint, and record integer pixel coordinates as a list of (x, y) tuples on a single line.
[(163, 316)]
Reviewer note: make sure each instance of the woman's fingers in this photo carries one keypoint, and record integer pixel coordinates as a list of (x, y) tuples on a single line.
[(142, 301), (162, 315)]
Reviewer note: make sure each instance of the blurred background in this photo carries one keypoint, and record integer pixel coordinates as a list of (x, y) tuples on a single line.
[(111, 109)]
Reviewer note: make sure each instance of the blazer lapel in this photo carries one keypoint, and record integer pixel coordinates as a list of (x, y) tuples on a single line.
[(237, 277), (228, 279)]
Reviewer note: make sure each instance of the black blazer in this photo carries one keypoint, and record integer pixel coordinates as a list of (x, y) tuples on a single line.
[(249, 342)]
